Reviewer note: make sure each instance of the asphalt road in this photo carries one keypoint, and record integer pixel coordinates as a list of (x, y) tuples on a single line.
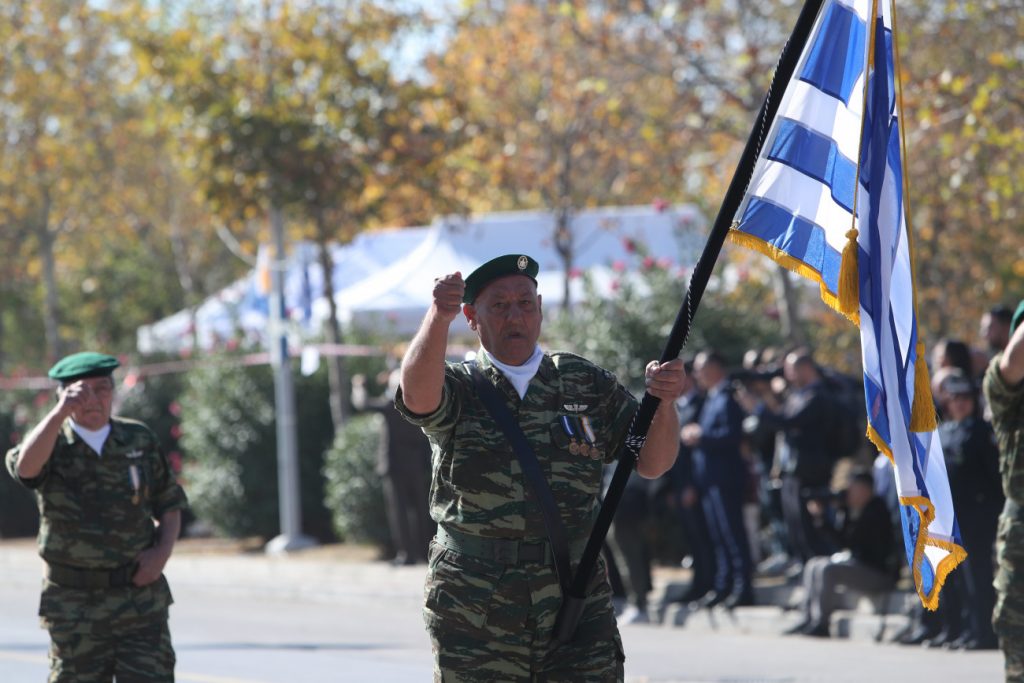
[(252, 619)]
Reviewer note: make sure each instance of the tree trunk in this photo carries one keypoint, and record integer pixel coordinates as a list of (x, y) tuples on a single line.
[(337, 376), (788, 299), (563, 219), (3, 354), (563, 244), (51, 313), (183, 269)]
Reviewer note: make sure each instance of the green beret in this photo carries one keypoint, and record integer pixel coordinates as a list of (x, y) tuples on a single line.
[(84, 364), (1018, 317), (509, 264)]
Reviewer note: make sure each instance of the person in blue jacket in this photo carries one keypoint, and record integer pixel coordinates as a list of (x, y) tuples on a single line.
[(720, 474)]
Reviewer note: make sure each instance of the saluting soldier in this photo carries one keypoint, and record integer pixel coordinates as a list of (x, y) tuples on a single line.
[(110, 513), (492, 595), (1004, 390)]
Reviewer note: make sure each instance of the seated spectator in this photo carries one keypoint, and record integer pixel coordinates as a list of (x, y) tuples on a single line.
[(863, 528)]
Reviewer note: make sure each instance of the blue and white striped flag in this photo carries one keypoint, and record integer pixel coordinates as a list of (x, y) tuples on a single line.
[(827, 199)]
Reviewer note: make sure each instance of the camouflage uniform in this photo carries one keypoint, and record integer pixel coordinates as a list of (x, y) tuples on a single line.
[(1007, 406), (93, 522), (489, 614)]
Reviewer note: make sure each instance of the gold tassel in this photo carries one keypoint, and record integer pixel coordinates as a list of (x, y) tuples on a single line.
[(849, 278), (922, 413)]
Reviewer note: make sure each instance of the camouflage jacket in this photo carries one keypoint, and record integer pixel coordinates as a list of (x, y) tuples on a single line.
[(98, 512), (575, 416), (1007, 406)]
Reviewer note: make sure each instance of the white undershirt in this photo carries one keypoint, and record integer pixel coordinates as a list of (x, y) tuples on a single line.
[(519, 375), (95, 439)]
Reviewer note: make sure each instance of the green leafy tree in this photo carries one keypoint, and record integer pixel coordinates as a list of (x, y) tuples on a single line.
[(227, 433), (626, 330), (553, 121), (301, 114), (354, 493)]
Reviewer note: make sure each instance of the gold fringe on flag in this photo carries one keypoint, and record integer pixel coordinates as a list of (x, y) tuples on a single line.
[(849, 277), (926, 514), (797, 266), (922, 413)]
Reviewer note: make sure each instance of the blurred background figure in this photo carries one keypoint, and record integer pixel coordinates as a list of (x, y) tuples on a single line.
[(806, 454), (685, 500), (403, 463), (972, 463), (866, 563), (758, 378), (721, 475), (948, 356), (994, 328), (628, 541)]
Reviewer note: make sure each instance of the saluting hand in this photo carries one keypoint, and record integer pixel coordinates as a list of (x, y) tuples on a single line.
[(448, 291), (72, 397)]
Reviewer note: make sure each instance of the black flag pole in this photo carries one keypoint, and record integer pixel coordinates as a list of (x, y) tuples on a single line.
[(574, 595)]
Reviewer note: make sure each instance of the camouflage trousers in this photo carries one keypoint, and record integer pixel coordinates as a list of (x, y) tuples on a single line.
[(493, 622), (130, 652), (1008, 617)]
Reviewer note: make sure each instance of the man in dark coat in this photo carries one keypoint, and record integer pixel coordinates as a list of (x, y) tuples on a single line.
[(804, 460), (686, 500)]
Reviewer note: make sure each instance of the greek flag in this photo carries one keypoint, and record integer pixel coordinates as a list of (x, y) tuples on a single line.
[(827, 200)]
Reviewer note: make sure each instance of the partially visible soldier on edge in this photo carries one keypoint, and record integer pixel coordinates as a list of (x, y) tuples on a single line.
[(492, 594), (110, 513), (1004, 389)]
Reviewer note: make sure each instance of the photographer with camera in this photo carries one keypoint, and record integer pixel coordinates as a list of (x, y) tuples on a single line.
[(866, 563), (804, 458)]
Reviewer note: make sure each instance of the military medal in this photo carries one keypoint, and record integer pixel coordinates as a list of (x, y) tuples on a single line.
[(133, 475), (585, 440), (574, 447), (588, 433)]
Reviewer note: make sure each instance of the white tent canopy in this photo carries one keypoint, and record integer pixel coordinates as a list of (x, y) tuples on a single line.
[(241, 310), (383, 280)]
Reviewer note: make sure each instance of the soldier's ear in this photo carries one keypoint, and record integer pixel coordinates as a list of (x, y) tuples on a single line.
[(470, 313)]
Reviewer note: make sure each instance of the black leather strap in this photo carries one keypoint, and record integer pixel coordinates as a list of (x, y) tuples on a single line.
[(498, 409)]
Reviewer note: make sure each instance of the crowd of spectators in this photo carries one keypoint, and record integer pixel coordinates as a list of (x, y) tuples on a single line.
[(775, 477)]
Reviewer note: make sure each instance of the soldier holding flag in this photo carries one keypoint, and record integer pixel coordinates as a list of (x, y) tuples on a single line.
[(492, 594)]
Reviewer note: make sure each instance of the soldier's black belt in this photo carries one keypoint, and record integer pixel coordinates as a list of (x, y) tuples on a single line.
[(503, 551), (76, 577)]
